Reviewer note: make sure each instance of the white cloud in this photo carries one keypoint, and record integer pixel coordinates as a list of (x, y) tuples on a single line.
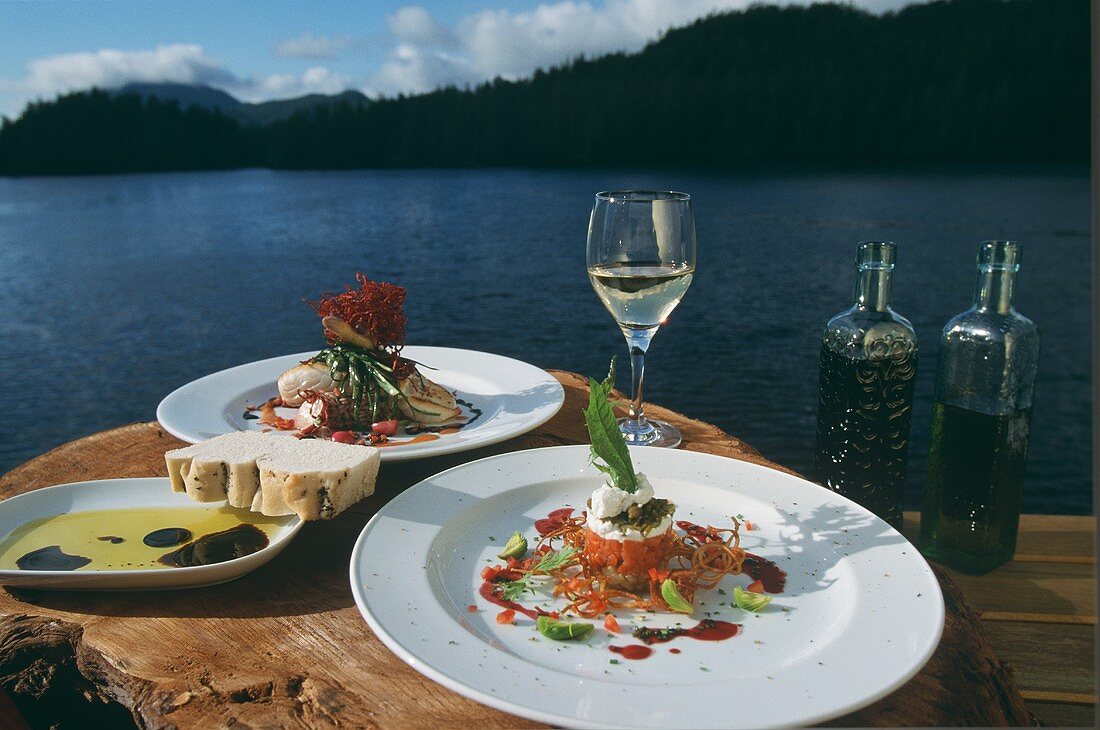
[(315, 80), (311, 47), (109, 68), (510, 44), (414, 24), (178, 63)]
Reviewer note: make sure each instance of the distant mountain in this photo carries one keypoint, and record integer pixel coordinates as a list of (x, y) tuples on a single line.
[(184, 94), (263, 113), (823, 85), (274, 111)]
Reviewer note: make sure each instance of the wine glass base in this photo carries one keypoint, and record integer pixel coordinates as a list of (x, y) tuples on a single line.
[(650, 433)]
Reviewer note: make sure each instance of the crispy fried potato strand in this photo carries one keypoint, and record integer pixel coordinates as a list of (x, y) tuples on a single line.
[(698, 559)]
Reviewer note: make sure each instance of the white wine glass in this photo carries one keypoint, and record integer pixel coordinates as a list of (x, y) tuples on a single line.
[(641, 258)]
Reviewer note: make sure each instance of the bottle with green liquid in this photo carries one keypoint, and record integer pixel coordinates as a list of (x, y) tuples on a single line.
[(865, 391), (980, 420)]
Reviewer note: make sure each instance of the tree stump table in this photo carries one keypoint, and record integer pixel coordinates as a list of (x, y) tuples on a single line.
[(286, 646)]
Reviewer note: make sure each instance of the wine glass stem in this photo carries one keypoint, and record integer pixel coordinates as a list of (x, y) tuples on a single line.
[(637, 340)]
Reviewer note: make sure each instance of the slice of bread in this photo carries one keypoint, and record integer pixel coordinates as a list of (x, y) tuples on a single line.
[(275, 474), (223, 467)]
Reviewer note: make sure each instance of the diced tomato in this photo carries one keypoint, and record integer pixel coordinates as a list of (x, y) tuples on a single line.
[(491, 571), (344, 437), (507, 616), (658, 575), (749, 526), (386, 428), (553, 521), (756, 586), (611, 623), (472, 608), (630, 557)]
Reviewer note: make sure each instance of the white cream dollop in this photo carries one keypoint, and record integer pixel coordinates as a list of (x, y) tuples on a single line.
[(608, 501)]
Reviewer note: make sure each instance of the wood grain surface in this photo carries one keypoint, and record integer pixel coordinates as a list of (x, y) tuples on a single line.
[(285, 645)]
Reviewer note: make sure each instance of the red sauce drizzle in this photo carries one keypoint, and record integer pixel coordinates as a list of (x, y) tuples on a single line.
[(632, 651), (768, 573), (490, 593), (553, 521), (414, 440), (706, 630), (673, 650)]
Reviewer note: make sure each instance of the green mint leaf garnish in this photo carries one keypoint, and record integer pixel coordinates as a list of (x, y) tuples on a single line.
[(513, 590), (608, 445), (553, 561), (608, 383)]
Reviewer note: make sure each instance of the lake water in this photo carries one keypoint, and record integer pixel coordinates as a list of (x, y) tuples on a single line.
[(116, 290)]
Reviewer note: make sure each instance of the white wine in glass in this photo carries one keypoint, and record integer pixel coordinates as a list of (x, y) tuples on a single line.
[(641, 258)]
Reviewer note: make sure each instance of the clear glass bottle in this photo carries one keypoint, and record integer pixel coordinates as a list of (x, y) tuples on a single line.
[(865, 393), (980, 420)]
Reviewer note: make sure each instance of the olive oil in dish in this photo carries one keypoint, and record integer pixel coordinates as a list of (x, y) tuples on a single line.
[(137, 539)]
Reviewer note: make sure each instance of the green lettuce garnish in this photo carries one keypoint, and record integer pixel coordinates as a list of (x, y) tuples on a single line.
[(749, 601), (562, 630), (674, 598), (515, 548), (609, 452)]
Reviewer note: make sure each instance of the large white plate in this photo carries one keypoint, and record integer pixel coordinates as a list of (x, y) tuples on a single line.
[(109, 494), (514, 398), (862, 612)]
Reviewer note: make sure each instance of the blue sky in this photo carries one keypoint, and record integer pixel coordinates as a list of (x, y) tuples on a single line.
[(277, 48)]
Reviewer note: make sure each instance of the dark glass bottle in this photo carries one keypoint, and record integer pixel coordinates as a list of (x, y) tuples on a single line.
[(980, 421), (865, 393)]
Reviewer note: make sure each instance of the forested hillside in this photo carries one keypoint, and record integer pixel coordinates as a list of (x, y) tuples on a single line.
[(962, 82)]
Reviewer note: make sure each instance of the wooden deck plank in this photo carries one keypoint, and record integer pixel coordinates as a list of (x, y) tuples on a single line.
[(1062, 715), (1053, 588), (1046, 657), (1040, 535), (1043, 618)]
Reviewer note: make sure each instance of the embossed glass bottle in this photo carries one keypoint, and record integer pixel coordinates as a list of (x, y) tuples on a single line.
[(985, 379), (865, 393)]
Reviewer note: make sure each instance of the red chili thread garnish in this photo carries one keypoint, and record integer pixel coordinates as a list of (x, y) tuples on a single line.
[(376, 308)]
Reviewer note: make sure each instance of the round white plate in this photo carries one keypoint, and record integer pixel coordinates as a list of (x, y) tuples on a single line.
[(861, 614), (514, 398), (109, 494)]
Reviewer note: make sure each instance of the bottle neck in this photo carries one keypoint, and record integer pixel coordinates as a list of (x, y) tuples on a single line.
[(873, 289), (996, 286)]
